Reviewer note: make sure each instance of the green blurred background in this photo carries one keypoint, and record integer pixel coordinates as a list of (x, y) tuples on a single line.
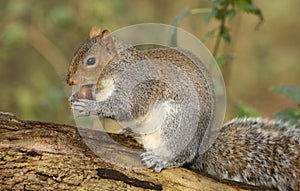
[(38, 39)]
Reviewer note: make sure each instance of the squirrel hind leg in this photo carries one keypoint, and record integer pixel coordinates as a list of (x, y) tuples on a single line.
[(162, 157), (152, 160)]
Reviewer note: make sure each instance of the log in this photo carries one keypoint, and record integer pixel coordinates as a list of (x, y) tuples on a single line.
[(47, 156)]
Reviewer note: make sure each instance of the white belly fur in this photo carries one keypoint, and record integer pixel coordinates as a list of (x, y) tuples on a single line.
[(148, 127), (106, 92)]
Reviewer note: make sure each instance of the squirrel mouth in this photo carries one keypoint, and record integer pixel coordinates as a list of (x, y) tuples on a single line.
[(85, 92)]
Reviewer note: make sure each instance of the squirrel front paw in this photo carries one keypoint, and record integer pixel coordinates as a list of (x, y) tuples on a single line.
[(152, 160), (85, 107)]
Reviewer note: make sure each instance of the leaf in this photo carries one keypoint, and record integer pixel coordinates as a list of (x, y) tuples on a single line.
[(221, 14), (248, 7), (291, 92), (209, 35), (226, 36), (231, 13), (289, 115), (220, 60), (217, 3), (245, 110), (173, 30), (181, 16), (210, 15)]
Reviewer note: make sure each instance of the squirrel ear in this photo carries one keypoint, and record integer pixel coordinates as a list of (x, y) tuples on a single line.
[(95, 32), (105, 33)]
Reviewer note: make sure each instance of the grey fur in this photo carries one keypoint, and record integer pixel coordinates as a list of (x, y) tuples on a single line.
[(166, 97)]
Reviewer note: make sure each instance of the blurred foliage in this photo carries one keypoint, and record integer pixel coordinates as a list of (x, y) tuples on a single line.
[(245, 110), (38, 38), (291, 115), (290, 91), (221, 10)]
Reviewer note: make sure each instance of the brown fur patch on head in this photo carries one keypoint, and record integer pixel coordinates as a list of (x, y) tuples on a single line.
[(96, 35), (78, 55)]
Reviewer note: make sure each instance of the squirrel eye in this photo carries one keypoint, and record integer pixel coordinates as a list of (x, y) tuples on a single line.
[(91, 61)]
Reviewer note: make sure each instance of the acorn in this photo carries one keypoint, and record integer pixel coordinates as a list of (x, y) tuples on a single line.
[(85, 92)]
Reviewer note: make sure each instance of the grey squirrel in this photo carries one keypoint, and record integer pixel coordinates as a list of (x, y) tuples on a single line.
[(165, 97)]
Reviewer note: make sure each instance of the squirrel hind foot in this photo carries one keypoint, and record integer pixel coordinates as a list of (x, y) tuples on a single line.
[(152, 160)]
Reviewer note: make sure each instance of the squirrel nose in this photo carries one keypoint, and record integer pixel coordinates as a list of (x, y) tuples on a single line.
[(71, 81)]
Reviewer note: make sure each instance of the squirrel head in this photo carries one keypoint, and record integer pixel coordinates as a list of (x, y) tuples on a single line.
[(91, 57)]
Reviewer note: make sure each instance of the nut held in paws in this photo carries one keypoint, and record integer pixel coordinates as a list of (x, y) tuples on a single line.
[(85, 92)]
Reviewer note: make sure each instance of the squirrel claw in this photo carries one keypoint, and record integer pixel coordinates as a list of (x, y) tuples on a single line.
[(84, 106), (152, 160)]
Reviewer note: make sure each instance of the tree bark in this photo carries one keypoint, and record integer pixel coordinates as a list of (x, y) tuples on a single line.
[(46, 156)]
